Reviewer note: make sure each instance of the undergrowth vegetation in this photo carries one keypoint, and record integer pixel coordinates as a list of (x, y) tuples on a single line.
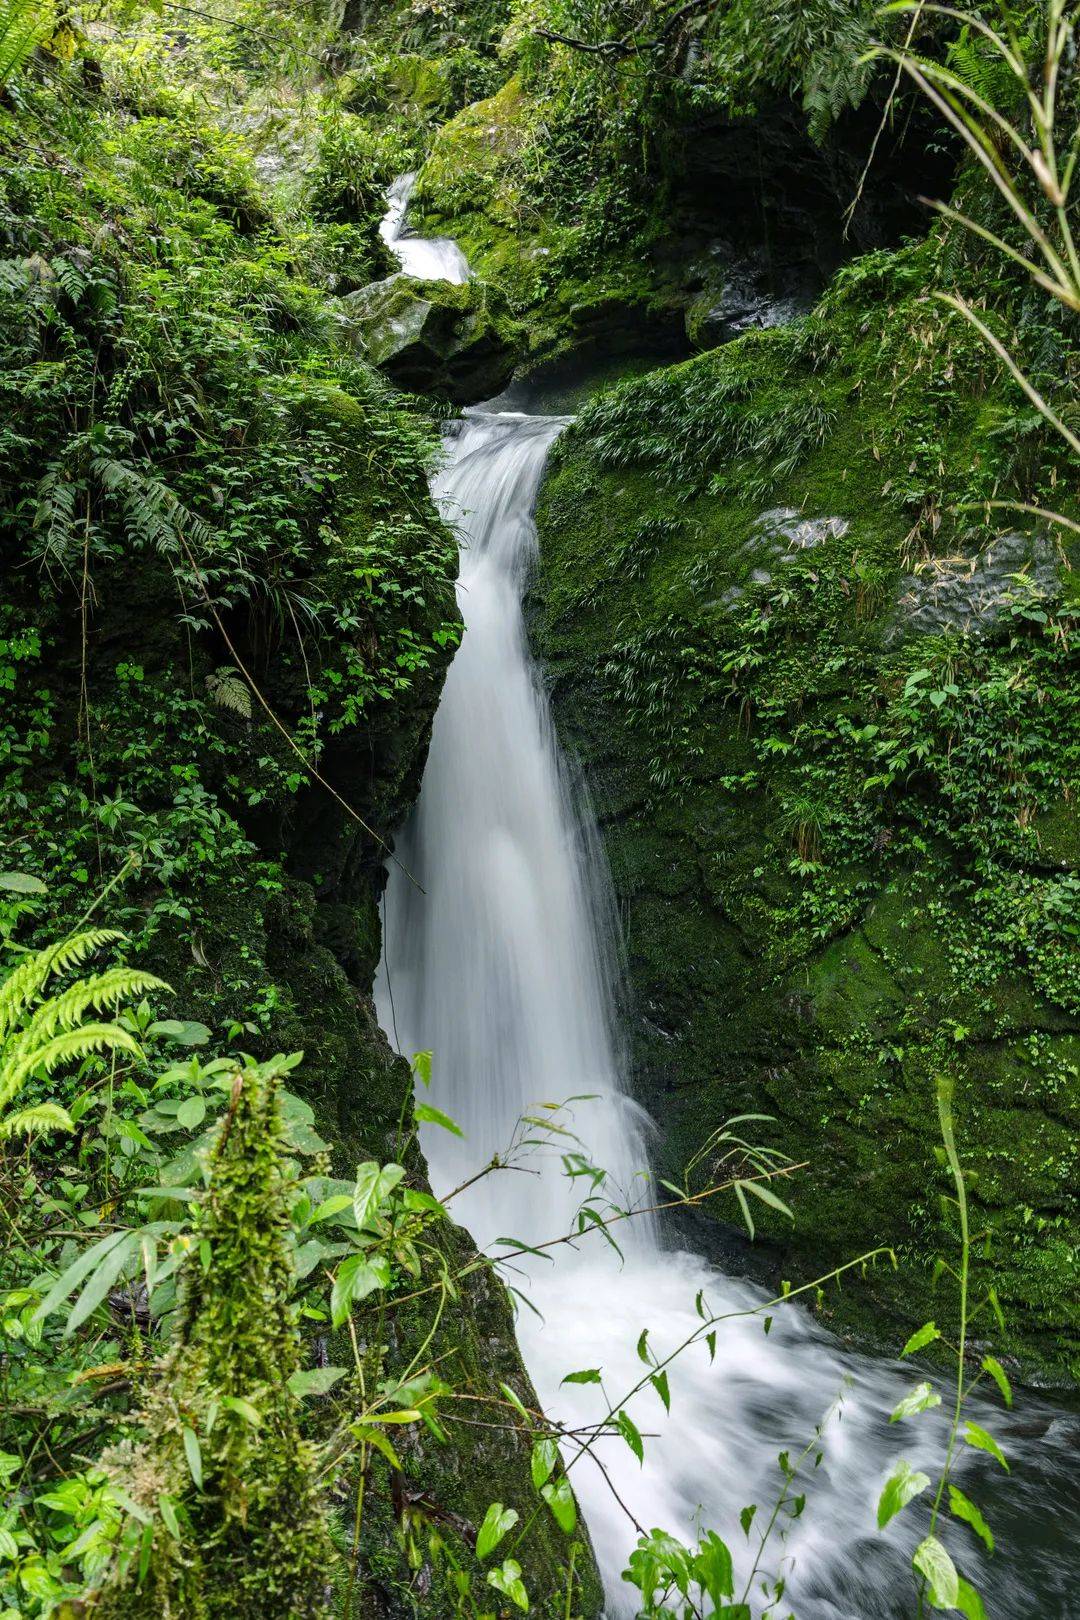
[(198, 468), (809, 608)]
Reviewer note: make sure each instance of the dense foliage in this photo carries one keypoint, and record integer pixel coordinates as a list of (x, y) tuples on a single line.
[(843, 676), (244, 1348)]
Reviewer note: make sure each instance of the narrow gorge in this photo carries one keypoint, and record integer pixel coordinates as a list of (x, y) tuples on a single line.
[(538, 873)]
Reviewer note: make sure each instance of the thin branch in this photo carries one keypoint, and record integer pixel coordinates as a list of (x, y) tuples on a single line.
[(312, 770), (1007, 360)]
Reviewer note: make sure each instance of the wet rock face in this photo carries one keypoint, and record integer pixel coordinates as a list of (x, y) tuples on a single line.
[(777, 537), (453, 340), (970, 594), (783, 532), (738, 292)]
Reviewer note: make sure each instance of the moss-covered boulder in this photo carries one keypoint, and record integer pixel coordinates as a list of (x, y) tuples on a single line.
[(841, 821), (454, 340)]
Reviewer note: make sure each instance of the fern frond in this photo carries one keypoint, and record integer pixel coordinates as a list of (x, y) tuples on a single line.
[(152, 512), (55, 516), (20, 988), (98, 993), (230, 692), (72, 1046), (24, 24), (42, 1117), (74, 950)]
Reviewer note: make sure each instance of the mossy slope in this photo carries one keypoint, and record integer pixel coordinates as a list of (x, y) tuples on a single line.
[(844, 847), (220, 574)]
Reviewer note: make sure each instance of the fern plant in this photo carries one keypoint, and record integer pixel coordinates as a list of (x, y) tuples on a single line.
[(24, 24), (40, 1032)]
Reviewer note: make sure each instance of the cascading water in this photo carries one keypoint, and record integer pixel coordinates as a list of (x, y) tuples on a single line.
[(503, 967), (429, 258)]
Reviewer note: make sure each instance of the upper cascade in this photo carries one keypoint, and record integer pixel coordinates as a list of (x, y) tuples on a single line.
[(428, 258)]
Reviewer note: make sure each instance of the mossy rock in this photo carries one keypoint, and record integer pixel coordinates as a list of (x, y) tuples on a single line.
[(810, 935), (454, 340)]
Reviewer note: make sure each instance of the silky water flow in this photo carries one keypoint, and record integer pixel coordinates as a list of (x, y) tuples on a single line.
[(503, 963)]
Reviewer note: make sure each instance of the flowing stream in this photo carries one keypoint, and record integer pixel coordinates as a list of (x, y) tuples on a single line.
[(429, 258), (505, 968)]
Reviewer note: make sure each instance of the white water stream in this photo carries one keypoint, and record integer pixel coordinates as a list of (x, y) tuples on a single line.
[(429, 258), (504, 967)]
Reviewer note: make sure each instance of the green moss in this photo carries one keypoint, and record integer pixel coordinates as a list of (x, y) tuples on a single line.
[(823, 827), (250, 1530), (480, 186)]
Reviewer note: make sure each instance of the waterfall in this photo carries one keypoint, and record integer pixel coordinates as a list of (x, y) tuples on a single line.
[(429, 258), (503, 965)]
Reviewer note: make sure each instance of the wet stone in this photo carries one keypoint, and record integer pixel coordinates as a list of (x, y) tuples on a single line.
[(453, 339), (969, 594), (785, 532)]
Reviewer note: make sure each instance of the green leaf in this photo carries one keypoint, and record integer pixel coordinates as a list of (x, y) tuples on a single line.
[(559, 1497), (497, 1521), (21, 883), (542, 1463), (745, 1207), (968, 1600), (515, 1400), (507, 1580), (712, 1569), (659, 1382), (421, 1202), (374, 1184), (185, 1032), (167, 1509), (586, 1375), (435, 1116), (193, 1453), (921, 1399), (315, 1380), (357, 1277), (120, 1496), (299, 1120), (964, 1508), (937, 1568), (243, 1409), (918, 1341), (746, 1518), (330, 1207), (421, 1067), (903, 1484), (102, 1280), (191, 1112), (998, 1374), (630, 1433), (72, 1276), (369, 1436), (982, 1441), (762, 1190)]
